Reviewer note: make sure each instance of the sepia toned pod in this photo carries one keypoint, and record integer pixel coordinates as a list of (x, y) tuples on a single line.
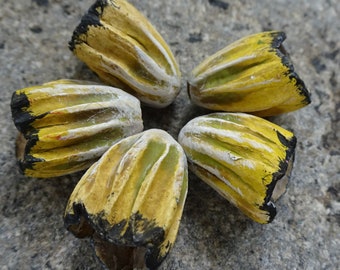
[(131, 201), (243, 157), (66, 125), (122, 47), (253, 74)]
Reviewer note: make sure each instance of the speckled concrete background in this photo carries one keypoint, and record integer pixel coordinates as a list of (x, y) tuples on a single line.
[(213, 234)]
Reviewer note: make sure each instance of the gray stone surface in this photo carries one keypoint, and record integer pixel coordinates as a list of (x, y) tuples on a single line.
[(213, 234)]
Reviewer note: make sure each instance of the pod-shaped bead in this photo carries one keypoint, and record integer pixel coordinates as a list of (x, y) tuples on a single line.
[(66, 125), (119, 44), (243, 157), (253, 74), (131, 200)]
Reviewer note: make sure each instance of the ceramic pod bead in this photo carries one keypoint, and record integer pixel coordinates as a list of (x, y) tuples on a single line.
[(66, 125), (119, 44), (253, 74), (131, 201), (243, 157)]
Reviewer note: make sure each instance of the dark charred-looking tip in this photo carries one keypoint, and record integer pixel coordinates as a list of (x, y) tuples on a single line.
[(91, 18), (278, 38), (78, 222), (299, 83), (28, 162), (269, 206), (23, 151), (142, 235), (279, 49), (32, 140), (290, 144), (147, 231), (284, 164), (19, 103), (21, 116)]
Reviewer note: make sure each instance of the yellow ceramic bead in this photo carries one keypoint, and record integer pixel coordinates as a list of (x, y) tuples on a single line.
[(253, 74), (243, 157), (132, 199), (119, 44), (66, 125)]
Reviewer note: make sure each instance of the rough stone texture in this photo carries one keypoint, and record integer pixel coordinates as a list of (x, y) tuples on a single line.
[(213, 234)]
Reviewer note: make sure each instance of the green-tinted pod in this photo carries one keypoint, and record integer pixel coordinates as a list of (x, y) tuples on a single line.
[(253, 74), (67, 125), (131, 200), (119, 44), (243, 157)]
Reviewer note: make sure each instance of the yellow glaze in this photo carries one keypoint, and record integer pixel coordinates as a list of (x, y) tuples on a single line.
[(118, 43), (137, 189), (241, 156), (253, 74), (69, 124)]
